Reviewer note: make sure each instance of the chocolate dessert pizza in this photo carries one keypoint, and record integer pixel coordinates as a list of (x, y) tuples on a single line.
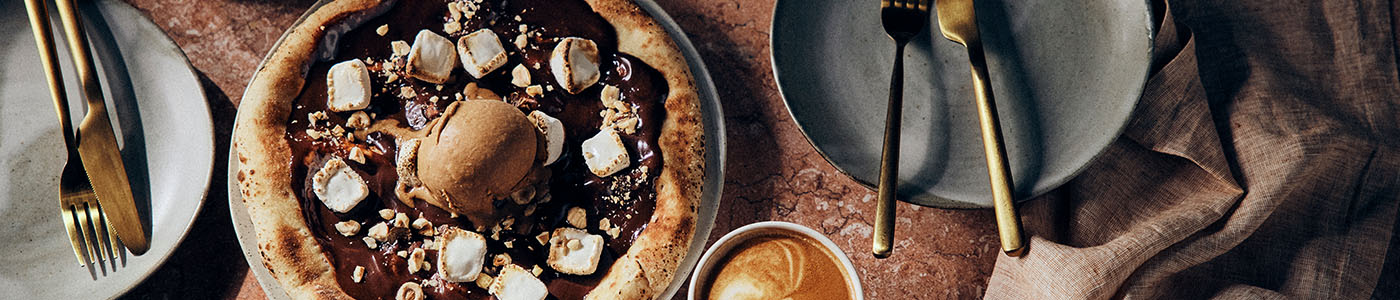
[(472, 149)]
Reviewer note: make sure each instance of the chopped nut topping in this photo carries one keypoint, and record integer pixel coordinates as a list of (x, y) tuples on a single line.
[(451, 27), (317, 116), (534, 91), (604, 224), (537, 270), (415, 260), (358, 120), (348, 228), (358, 275), (401, 220), (400, 48), (421, 222), (379, 232), (500, 260), (484, 281), (578, 217), (543, 238), (520, 76), (410, 291), (521, 42), (357, 155), (370, 242), (407, 92), (313, 134), (382, 30), (387, 214)]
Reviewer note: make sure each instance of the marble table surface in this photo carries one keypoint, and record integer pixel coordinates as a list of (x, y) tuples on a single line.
[(773, 172)]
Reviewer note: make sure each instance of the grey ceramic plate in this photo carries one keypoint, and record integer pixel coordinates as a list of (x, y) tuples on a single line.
[(1066, 75), (710, 196), (164, 127)]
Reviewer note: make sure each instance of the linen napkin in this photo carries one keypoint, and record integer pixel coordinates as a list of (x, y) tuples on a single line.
[(1261, 162)]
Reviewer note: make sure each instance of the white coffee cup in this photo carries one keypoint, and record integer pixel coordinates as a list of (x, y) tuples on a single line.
[(699, 279)]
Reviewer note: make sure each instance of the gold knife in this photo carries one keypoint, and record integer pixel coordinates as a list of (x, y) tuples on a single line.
[(97, 144)]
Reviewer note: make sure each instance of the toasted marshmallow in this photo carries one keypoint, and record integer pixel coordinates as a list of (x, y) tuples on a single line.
[(339, 187), (431, 58), (575, 64), (553, 131), (574, 251), (516, 283), (460, 255), (604, 153), (347, 86), (481, 52)]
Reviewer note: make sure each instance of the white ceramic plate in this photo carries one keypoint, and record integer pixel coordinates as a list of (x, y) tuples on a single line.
[(164, 127), (1066, 75), (714, 170)]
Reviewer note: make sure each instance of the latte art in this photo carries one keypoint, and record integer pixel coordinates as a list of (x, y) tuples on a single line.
[(778, 266)]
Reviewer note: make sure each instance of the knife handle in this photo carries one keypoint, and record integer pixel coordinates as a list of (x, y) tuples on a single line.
[(1008, 222)]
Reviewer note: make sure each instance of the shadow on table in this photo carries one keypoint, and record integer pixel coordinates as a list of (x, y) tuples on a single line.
[(209, 262)]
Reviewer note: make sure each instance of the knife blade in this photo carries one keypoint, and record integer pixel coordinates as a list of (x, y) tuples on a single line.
[(97, 143)]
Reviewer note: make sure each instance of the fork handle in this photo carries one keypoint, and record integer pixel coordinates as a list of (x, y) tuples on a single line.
[(883, 241), (48, 54), (1008, 223)]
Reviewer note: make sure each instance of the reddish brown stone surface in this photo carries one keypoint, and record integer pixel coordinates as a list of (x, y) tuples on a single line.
[(773, 173)]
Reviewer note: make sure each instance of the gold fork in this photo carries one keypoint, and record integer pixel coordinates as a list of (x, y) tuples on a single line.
[(88, 230), (958, 21), (903, 19)]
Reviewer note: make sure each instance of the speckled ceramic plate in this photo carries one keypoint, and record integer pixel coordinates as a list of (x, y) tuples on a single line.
[(163, 124), (710, 195), (1066, 76)]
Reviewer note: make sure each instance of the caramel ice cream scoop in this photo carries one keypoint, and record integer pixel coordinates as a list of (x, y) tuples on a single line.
[(477, 152)]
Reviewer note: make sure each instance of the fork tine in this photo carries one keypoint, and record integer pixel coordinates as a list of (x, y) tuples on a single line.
[(104, 231), (118, 249), (90, 234), (75, 233)]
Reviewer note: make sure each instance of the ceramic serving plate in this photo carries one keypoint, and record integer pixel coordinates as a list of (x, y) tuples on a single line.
[(163, 125), (1066, 75), (714, 170)]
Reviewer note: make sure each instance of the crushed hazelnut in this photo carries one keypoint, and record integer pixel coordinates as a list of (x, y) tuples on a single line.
[(421, 222), (520, 76), (357, 155), (370, 242), (382, 30), (537, 270), (401, 220), (409, 291), (358, 120), (415, 260), (400, 48), (358, 275), (387, 214), (348, 228), (534, 91), (484, 281), (503, 259), (543, 238), (379, 232), (578, 217)]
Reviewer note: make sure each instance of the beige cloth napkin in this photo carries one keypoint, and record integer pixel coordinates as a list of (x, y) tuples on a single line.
[(1261, 162)]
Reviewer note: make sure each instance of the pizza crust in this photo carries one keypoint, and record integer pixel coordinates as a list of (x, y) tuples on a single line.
[(650, 264), (299, 264)]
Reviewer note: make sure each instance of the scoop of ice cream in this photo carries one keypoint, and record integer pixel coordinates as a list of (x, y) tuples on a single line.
[(477, 152)]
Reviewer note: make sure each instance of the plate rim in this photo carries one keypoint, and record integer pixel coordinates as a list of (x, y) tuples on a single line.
[(712, 116), (930, 200), (207, 117)]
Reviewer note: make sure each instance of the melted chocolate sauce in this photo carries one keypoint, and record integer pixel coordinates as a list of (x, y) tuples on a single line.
[(571, 184)]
